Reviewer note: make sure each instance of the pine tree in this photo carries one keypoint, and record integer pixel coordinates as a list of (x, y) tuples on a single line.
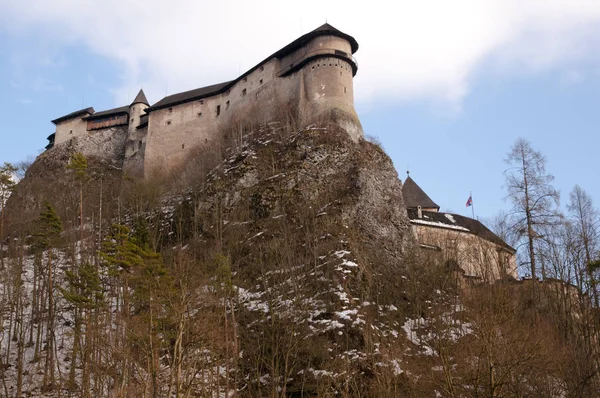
[(45, 240), (143, 287)]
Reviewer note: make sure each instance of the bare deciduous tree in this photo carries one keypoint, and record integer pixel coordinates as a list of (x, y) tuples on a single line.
[(533, 197), (586, 221)]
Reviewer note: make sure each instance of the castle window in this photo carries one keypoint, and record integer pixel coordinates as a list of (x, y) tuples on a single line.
[(168, 122), (227, 105), (201, 102), (344, 90), (131, 120), (182, 146), (199, 114), (245, 79), (244, 92), (260, 81), (313, 67), (170, 110), (262, 68), (71, 132), (218, 110)]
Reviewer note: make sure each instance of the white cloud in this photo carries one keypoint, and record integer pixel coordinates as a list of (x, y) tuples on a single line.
[(408, 49)]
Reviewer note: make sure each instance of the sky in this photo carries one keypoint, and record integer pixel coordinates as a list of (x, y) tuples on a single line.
[(446, 86)]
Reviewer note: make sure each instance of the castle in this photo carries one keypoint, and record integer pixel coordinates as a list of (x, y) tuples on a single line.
[(311, 77), (463, 244)]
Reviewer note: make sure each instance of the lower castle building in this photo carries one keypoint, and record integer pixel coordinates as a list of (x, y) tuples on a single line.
[(312, 77), (462, 243)]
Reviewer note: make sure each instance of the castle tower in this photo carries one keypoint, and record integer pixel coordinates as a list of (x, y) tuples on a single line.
[(136, 111), (321, 61)]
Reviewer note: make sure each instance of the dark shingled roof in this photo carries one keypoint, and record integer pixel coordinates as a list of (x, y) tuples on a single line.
[(140, 98), (323, 30), (114, 111), (73, 115), (191, 95), (457, 222), (414, 196), (208, 91)]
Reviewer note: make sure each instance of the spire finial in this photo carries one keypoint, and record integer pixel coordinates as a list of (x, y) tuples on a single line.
[(408, 173)]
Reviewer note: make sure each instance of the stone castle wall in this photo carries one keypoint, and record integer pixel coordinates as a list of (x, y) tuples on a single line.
[(311, 79), (472, 254), (323, 83), (69, 129)]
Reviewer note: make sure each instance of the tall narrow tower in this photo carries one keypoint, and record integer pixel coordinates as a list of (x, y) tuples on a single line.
[(136, 110)]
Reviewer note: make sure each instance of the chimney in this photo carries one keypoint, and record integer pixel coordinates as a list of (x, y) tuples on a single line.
[(419, 212)]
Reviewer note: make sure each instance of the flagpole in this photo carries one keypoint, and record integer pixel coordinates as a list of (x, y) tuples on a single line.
[(472, 207)]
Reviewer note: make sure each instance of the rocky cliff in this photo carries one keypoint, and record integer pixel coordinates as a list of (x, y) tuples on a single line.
[(310, 227), (279, 264)]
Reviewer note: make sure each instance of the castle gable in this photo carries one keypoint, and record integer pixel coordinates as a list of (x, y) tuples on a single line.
[(77, 114)]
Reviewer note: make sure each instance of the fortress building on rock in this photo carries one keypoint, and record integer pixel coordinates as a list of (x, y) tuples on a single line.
[(463, 244), (312, 77)]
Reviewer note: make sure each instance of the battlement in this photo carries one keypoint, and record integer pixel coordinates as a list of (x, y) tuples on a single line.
[(313, 76)]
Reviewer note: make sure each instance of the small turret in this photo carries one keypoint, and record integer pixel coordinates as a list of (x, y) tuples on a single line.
[(136, 110)]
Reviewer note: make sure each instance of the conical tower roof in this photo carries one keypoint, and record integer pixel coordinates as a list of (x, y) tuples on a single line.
[(414, 196), (140, 98)]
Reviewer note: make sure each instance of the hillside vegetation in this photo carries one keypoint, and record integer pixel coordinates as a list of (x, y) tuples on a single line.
[(281, 264)]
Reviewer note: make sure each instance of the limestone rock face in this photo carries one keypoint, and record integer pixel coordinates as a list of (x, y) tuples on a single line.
[(48, 178), (298, 239), (316, 232)]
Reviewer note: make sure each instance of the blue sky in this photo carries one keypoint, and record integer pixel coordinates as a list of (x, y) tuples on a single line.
[(447, 87)]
